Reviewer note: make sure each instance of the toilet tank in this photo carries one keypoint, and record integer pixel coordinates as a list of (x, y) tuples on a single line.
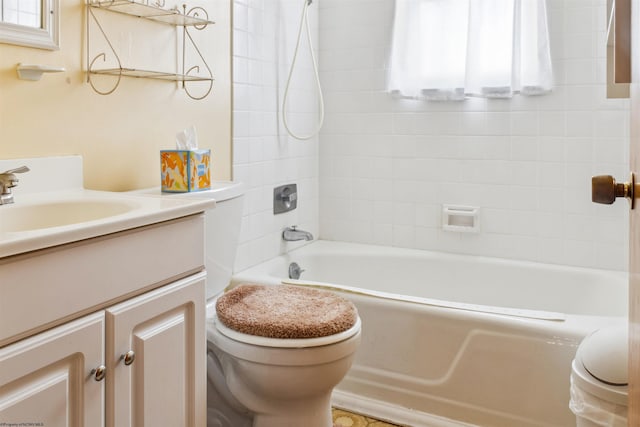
[(222, 229)]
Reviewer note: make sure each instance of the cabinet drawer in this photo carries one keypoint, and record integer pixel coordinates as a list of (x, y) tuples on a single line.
[(45, 288)]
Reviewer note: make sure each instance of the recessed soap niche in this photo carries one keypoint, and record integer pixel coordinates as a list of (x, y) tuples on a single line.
[(462, 219)]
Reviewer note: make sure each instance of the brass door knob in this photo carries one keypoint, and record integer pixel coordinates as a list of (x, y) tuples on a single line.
[(605, 189)]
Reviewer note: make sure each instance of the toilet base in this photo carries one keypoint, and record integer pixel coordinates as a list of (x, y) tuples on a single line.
[(278, 386), (223, 410), (311, 413)]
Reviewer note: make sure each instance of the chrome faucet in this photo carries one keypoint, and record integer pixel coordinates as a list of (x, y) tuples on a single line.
[(291, 234), (8, 180)]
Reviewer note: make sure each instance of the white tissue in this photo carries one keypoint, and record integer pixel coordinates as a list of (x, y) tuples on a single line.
[(187, 139)]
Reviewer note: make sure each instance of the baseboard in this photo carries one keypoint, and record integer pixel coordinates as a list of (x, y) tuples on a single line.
[(391, 413)]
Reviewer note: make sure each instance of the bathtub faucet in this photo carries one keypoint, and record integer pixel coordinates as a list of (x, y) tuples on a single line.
[(291, 234)]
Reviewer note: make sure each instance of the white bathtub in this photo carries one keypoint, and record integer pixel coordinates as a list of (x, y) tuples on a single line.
[(450, 339)]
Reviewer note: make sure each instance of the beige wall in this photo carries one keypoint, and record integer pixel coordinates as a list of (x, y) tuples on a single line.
[(118, 135)]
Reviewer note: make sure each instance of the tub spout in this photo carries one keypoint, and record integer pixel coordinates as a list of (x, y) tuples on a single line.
[(291, 234)]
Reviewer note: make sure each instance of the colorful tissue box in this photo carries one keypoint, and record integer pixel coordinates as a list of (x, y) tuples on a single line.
[(185, 170)]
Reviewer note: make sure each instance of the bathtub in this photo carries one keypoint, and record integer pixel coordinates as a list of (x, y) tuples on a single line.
[(454, 340)]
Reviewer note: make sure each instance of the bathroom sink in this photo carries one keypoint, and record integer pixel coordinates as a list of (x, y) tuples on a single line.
[(38, 215)]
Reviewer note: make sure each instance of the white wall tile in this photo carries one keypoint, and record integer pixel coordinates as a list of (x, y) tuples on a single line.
[(524, 148), (264, 156), (580, 71), (551, 123), (524, 123)]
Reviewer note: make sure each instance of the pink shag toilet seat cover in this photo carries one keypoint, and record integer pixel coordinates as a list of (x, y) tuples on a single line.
[(285, 311)]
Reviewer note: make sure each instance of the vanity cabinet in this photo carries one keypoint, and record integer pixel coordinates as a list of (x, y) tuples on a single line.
[(108, 331), (51, 379)]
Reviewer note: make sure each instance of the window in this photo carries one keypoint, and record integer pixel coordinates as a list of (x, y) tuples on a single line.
[(23, 12), (33, 23), (450, 49)]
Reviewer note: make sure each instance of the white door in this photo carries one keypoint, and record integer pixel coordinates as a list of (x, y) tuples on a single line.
[(634, 232), (626, 65), (628, 21), (156, 354), (48, 380)]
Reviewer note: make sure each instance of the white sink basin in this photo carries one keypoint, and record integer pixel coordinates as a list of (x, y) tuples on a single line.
[(16, 218)]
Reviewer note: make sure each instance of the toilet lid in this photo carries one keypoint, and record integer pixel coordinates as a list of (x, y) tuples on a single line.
[(285, 312), (604, 354)]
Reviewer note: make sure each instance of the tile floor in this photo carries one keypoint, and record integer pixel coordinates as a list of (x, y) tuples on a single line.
[(348, 419)]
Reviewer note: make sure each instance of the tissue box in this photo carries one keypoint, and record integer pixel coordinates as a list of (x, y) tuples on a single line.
[(185, 170)]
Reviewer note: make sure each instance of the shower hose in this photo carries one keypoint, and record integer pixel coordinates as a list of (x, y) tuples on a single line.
[(304, 22)]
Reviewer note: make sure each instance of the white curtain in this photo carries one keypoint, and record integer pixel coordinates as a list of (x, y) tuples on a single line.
[(449, 49)]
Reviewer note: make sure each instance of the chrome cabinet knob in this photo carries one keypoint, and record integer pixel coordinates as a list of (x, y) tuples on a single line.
[(99, 373), (605, 189), (128, 357)]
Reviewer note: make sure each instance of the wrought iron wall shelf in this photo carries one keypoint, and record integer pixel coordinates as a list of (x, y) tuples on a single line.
[(147, 74), (196, 17)]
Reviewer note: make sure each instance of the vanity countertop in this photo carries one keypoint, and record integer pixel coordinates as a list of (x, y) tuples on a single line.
[(42, 220)]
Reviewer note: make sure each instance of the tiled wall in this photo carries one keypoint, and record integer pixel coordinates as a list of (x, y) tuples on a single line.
[(387, 165), (264, 38)]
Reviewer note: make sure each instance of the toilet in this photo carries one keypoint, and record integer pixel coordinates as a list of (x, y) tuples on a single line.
[(255, 380), (281, 350), (599, 379)]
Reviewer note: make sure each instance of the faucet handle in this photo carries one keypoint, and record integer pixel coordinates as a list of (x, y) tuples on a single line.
[(21, 169)]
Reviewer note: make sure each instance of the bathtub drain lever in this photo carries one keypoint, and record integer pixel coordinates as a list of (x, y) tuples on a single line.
[(295, 271)]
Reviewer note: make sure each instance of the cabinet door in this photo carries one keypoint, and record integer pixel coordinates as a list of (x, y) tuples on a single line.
[(165, 384), (46, 380)]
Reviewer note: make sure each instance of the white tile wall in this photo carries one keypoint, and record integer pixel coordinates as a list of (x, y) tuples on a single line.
[(387, 165), (264, 156)]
